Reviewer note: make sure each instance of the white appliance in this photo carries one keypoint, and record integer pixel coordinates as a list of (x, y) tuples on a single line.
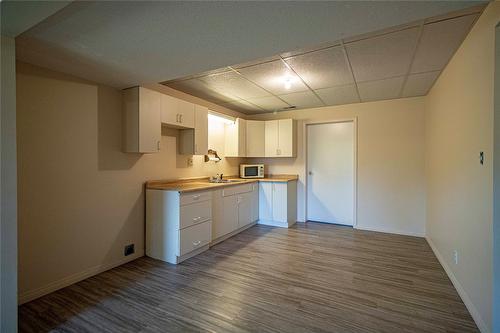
[(251, 170)]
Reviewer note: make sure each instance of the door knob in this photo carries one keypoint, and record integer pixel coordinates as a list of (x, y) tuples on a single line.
[(310, 173)]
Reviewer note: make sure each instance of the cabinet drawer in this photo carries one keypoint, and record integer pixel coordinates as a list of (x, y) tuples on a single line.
[(195, 213), (189, 198), (232, 190), (194, 237)]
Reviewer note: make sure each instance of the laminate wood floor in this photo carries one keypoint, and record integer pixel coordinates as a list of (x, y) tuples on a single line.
[(311, 278)]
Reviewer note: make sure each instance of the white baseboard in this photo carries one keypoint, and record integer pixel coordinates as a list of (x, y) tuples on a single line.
[(461, 292), (72, 279), (274, 223), (391, 231)]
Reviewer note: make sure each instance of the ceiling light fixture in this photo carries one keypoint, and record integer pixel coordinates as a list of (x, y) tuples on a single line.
[(288, 83)]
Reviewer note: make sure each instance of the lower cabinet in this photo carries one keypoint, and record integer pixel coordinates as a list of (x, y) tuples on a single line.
[(278, 203), (181, 225), (178, 225), (234, 208)]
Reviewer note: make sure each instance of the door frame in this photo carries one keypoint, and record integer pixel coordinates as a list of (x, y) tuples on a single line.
[(354, 121)]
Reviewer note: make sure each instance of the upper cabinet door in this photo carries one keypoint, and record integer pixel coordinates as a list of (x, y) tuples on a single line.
[(235, 139), (169, 113), (242, 137), (256, 143), (201, 130), (149, 120), (176, 112), (271, 138), (286, 138), (141, 120), (186, 114)]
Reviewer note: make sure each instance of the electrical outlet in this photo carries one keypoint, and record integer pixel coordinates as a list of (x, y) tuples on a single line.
[(129, 249), (190, 161), (455, 257)]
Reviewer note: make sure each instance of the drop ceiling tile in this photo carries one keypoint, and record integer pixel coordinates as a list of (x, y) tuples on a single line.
[(323, 68), (380, 89), (302, 100), (439, 42), (382, 56), (242, 106), (197, 88), (256, 62), (309, 49), (339, 95), (270, 103), (273, 76), (419, 84), (233, 84), (385, 31)]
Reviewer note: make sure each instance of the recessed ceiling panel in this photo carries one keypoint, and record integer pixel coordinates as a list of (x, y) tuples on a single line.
[(302, 100), (419, 84), (380, 89), (339, 95), (274, 76), (439, 42), (242, 106), (323, 68), (269, 103), (382, 56), (233, 84), (397, 61), (197, 88)]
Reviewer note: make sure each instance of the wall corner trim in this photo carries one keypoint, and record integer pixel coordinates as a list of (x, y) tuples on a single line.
[(461, 291)]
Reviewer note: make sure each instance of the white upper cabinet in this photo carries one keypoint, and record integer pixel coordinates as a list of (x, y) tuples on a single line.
[(271, 138), (256, 143), (280, 138), (287, 140), (186, 112), (235, 139), (141, 120), (169, 114), (195, 141), (201, 130), (176, 112)]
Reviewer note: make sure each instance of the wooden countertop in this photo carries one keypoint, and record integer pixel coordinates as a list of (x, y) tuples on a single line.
[(199, 184)]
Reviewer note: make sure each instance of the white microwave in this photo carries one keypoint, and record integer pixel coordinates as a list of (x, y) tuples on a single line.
[(251, 170)]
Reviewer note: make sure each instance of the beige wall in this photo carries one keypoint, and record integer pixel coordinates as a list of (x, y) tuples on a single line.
[(390, 175), (459, 124), (80, 198), (8, 218)]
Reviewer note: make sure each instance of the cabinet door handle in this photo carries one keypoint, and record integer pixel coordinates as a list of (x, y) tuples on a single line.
[(196, 243), (177, 118), (196, 197), (196, 218), (180, 118), (158, 145)]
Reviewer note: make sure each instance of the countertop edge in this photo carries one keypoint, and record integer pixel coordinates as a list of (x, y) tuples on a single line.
[(210, 186)]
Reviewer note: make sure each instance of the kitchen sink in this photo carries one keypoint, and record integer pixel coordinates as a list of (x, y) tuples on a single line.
[(225, 180)]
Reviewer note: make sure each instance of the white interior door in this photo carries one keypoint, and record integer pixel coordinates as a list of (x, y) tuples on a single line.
[(330, 173)]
